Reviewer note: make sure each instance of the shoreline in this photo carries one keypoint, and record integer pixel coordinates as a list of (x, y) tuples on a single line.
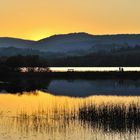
[(74, 75)]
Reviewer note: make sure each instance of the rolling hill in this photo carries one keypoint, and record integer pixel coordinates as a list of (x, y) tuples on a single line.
[(65, 45)]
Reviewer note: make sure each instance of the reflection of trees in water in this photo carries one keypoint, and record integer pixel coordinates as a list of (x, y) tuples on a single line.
[(26, 84), (19, 85)]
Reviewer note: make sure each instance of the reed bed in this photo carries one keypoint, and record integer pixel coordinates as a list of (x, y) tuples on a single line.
[(116, 117), (114, 113)]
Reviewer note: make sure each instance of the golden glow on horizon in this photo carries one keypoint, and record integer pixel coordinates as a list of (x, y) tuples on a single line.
[(36, 19)]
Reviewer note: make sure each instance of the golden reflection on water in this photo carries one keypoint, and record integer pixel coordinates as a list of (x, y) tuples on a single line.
[(43, 116), (36, 101)]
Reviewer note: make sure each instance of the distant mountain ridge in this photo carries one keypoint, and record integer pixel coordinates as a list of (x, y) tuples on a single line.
[(15, 42), (73, 44)]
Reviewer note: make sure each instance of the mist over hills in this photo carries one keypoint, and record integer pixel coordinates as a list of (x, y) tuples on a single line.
[(72, 45)]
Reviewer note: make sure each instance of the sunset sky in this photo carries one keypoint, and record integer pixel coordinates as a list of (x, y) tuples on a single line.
[(36, 19)]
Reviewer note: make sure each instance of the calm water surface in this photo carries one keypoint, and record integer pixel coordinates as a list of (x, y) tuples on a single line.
[(64, 69), (42, 116), (84, 88)]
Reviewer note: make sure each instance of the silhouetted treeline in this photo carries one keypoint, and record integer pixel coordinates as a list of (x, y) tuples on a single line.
[(26, 61), (12, 64), (124, 56), (117, 59), (127, 56)]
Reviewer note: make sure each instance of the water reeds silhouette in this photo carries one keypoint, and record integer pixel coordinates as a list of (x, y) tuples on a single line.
[(59, 117), (108, 117), (112, 117)]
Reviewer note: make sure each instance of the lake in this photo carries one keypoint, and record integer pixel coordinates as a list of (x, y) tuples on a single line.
[(65, 69), (85, 69), (74, 109)]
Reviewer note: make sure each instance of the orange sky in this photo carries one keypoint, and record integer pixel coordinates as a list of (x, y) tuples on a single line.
[(36, 19)]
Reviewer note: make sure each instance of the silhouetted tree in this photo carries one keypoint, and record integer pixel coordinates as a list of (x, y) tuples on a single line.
[(31, 62)]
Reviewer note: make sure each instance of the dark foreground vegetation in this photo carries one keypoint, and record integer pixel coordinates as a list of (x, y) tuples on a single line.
[(109, 118), (14, 63), (112, 117)]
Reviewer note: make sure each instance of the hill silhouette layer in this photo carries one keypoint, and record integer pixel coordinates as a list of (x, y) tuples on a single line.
[(78, 49)]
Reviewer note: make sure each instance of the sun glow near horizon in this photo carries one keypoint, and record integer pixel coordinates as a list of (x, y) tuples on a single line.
[(37, 19)]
